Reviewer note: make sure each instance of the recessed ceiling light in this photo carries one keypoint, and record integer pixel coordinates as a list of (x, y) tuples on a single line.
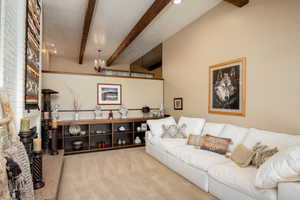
[(177, 1)]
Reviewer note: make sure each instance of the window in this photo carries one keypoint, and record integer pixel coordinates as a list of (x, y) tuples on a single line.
[(12, 52)]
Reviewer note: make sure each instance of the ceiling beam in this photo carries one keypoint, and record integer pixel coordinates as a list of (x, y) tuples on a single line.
[(147, 18), (86, 28), (239, 3)]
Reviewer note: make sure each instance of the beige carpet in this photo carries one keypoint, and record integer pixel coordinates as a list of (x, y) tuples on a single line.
[(129, 174)]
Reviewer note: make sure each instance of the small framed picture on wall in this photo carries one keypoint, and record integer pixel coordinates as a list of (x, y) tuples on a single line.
[(178, 103), (109, 94)]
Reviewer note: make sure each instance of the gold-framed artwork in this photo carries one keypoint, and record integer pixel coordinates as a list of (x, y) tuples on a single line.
[(227, 88)]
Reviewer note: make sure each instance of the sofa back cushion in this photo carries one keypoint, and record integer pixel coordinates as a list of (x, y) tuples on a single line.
[(235, 133), (272, 139), (173, 131), (193, 125), (213, 129), (156, 125)]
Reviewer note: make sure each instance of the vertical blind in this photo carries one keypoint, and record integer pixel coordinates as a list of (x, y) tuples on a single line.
[(12, 53)]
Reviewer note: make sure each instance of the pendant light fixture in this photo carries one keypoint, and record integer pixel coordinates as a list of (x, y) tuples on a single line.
[(99, 63)]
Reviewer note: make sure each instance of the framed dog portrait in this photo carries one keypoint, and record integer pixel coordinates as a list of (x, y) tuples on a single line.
[(109, 94), (227, 88), (178, 103)]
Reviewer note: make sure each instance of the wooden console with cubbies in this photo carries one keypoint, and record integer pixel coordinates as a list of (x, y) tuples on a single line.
[(98, 135)]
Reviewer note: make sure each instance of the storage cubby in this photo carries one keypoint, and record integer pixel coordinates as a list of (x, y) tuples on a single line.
[(98, 135)]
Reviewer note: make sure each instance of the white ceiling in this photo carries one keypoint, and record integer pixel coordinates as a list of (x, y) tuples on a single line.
[(113, 19)]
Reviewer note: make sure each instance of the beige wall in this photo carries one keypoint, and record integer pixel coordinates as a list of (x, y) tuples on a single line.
[(136, 93), (64, 64), (267, 32)]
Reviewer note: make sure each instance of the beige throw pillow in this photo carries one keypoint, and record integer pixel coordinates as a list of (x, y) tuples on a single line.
[(242, 156), (195, 140)]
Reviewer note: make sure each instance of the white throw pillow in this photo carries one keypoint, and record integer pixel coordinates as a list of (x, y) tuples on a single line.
[(272, 139), (282, 167), (193, 125), (235, 133), (213, 129), (156, 125)]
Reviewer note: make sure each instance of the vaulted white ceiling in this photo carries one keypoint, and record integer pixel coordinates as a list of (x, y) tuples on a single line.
[(112, 21)]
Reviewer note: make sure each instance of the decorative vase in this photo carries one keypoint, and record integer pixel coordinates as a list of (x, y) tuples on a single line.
[(98, 112), (76, 116), (137, 140), (123, 111), (161, 111), (119, 142)]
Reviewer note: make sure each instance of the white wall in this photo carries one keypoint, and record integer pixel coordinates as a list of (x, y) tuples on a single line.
[(12, 57), (136, 93), (266, 32)]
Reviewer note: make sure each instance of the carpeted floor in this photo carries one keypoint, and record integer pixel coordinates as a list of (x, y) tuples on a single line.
[(129, 174)]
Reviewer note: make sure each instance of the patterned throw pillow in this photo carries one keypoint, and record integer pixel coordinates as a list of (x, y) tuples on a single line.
[(215, 144), (173, 131), (195, 140), (262, 154)]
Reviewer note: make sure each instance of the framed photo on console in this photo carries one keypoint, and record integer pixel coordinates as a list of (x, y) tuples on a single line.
[(227, 88), (109, 94), (178, 103)]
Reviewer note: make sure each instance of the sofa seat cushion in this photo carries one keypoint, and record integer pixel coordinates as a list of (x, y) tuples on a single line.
[(241, 179), (167, 143), (200, 159)]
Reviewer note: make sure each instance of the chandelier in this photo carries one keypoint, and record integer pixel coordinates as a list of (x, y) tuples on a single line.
[(99, 63)]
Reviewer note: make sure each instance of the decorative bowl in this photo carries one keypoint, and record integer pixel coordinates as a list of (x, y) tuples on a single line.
[(77, 145), (122, 128)]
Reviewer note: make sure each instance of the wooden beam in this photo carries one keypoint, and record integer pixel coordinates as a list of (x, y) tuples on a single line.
[(86, 28), (239, 3), (147, 18)]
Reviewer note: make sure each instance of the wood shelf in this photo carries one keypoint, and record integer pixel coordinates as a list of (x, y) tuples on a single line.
[(105, 134), (76, 136), (123, 132), (102, 121)]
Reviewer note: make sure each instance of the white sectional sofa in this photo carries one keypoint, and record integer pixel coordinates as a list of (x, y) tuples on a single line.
[(218, 175)]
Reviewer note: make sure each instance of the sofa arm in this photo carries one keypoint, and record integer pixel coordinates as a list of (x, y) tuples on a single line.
[(148, 136), (289, 190)]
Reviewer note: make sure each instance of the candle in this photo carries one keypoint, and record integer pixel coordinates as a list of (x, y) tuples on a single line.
[(25, 124), (54, 124), (46, 115), (37, 144)]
